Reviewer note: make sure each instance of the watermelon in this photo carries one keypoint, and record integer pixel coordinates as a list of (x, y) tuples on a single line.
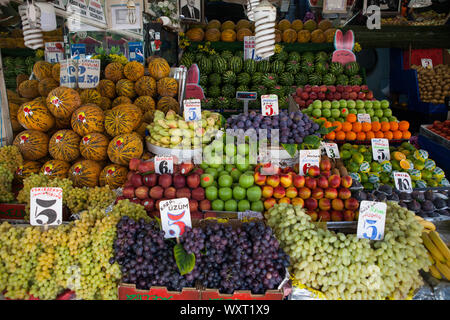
[(242, 87), (228, 91), (208, 103), (307, 67), (315, 79), (226, 54), (336, 68), (257, 77), (244, 78), (229, 77), (293, 66), (321, 56), (277, 67), (220, 65), (287, 79), (301, 79), (205, 66), (280, 56), (262, 66), (342, 79), (214, 91), (329, 79), (278, 90), (239, 54), (203, 80), (250, 66), (215, 79), (355, 80), (295, 56), (351, 68), (308, 57), (236, 64), (269, 80), (223, 102), (321, 67), (260, 90)]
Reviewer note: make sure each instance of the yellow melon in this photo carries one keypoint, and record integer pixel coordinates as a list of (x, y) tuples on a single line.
[(303, 36), (284, 25), (228, 25), (289, 36), (317, 36), (297, 25), (195, 34), (243, 24), (228, 35), (244, 32), (212, 35), (214, 24)]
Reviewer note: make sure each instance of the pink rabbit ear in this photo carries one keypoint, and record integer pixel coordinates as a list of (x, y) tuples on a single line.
[(193, 75), (349, 41), (338, 39)]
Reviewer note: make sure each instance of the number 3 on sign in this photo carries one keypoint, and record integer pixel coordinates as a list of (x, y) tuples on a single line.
[(269, 105)]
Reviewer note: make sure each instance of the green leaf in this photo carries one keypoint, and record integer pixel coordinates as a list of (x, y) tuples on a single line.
[(185, 261), (159, 222), (324, 131), (320, 122), (290, 148)]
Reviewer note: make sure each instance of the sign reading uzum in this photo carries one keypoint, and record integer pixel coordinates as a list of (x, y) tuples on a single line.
[(175, 217)]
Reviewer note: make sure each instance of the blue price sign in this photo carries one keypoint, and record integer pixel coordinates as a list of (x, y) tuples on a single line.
[(88, 73), (68, 73), (78, 51), (371, 220)]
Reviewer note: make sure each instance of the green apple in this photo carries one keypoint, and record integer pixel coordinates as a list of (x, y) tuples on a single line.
[(235, 174), (387, 112), (217, 205), (246, 180), (344, 112), (257, 206), (317, 104), (211, 193), (206, 180), (242, 163), (368, 104), (362, 111), (231, 205), (384, 119), (230, 150), (392, 119), (384, 104), (223, 173), (225, 180), (335, 104), (335, 113), (326, 113), (359, 104), (243, 205), (374, 118), (229, 167), (213, 172), (254, 193), (239, 193), (316, 113), (371, 112), (351, 104), (243, 149), (353, 111), (379, 113), (376, 104), (341, 119), (343, 103), (326, 104), (225, 193), (331, 119)]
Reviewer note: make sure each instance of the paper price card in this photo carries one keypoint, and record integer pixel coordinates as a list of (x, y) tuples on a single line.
[(402, 181), (175, 217), (249, 49), (68, 73), (427, 63), (54, 51), (323, 149), (248, 214), (46, 206), (380, 150), (192, 110), (363, 117), (332, 150), (371, 220), (88, 73), (269, 105), (308, 158), (164, 165)]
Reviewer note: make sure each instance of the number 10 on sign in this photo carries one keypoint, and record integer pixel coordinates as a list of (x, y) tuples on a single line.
[(269, 105)]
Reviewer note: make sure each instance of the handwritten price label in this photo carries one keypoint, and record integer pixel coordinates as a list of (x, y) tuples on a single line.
[(402, 181), (46, 206), (269, 105), (308, 158), (192, 110), (164, 165), (371, 220), (363, 117), (175, 217), (68, 73), (332, 150), (249, 49), (380, 150), (88, 73)]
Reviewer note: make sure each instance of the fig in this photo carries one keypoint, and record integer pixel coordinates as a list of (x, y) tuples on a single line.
[(393, 197), (403, 204), (444, 212), (360, 195), (417, 195), (439, 203), (414, 206), (433, 214), (422, 214), (385, 188), (371, 197), (428, 205), (381, 196), (429, 195), (405, 196)]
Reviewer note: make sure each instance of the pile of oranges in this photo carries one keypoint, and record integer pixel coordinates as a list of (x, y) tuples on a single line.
[(352, 130)]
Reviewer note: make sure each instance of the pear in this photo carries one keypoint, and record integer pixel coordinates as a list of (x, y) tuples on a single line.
[(216, 116), (204, 123), (187, 133), (197, 143), (157, 137), (192, 125), (200, 132), (175, 132), (206, 113), (182, 124), (175, 139), (163, 123), (164, 133), (170, 115), (158, 115), (172, 124), (165, 140)]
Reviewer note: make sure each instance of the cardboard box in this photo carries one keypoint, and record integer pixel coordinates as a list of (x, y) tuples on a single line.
[(214, 294), (15, 211), (129, 292)]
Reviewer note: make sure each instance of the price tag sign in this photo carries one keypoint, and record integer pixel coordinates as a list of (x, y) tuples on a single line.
[(249, 214), (269, 105), (380, 150), (46, 206), (54, 51), (402, 181), (427, 63), (68, 73), (308, 158), (88, 73), (175, 217), (78, 51), (249, 49), (323, 149), (192, 110), (371, 220), (363, 117), (164, 165), (332, 150)]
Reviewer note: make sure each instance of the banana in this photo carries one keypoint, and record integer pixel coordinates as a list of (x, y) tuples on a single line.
[(435, 272), (444, 269), (419, 218), (430, 257), (439, 243), (437, 255), (428, 225)]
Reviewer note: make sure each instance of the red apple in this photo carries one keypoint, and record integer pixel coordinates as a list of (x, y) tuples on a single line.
[(369, 95), (364, 87), (286, 180), (344, 193), (317, 193), (337, 204), (128, 192), (269, 203), (337, 215), (298, 181), (297, 100), (356, 88), (302, 104), (309, 101), (331, 193), (146, 167), (338, 96), (298, 91), (324, 216), (156, 192), (315, 89), (334, 181), (291, 192), (141, 192), (345, 95), (351, 204), (136, 180), (323, 88), (150, 180), (361, 95), (196, 215), (322, 182), (340, 88), (311, 204), (326, 173), (325, 164), (307, 88), (279, 192), (170, 193), (298, 201), (205, 204), (198, 194), (184, 193), (136, 200), (313, 214), (321, 96), (324, 204), (331, 88), (193, 180), (304, 193), (179, 181), (273, 180), (310, 183), (349, 215), (134, 164), (260, 179), (185, 168), (149, 204), (348, 88), (193, 205), (198, 171), (313, 96), (329, 96), (346, 181), (353, 95), (304, 96)]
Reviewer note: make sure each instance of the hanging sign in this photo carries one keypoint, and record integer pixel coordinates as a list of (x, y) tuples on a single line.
[(68, 74), (249, 49), (307, 159), (46, 206), (163, 165), (136, 51), (77, 6), (269, 105), (78, 51), (371, 220), (380, 149), (54, 51), (59, 4), (192, 110), (95, 11), (427, 63), (175, 217), (88, 73)]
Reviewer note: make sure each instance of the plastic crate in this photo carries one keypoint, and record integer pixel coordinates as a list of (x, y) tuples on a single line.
[(129, 292), (434, 136), (439, 153)]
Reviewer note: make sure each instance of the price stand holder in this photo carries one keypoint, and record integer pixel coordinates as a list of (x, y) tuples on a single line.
[(332, 150), (380, 149), (307, 159), (46, 206), (402, 181), (88, 73), (269, 105), (363, 117), (192, 110)]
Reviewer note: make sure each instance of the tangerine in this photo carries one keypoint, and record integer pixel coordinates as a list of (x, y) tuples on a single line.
[(385, 126), (351, 117), (403, 125), (398, 135), (394, 125), (361, 136), (346, 126), (331, 135), (356, 127), (350, 135), (370, 135), (406, 134), (338, 125), (366, 126), (340, 135), (388, 135), (376, 126), (379, 134), (327, 124)]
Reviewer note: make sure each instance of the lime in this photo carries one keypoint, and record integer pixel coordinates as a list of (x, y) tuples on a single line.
[(358, 158), (367, 156), (353, 167), (225, 180), (368, 186), (375, 167), (419, 164), (364, 177), (217, 205), (231, 205), (426, 174), (257, 206), (243, 205), (432, 183), (345, 154), (384, 177), (396, 165), (346, 146)]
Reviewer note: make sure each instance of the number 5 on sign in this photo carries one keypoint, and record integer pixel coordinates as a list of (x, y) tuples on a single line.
[(371, 220), (46, 206), (164, 165), (269, 105), (192, 110), (175, 217)]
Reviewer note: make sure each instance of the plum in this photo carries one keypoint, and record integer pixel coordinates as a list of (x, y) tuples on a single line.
[(428, 205), (429, 195), (360, 195), (403, 204), (414, 206), (405, 196), (393, 197), (380, 196), (422, 214), (385, 188), (417, 195), (439, 203), (443, 212), (371, 197), (433, 214)]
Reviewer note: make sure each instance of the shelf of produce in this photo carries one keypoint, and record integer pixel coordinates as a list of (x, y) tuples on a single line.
[(402, 36), (299, 47), (434, 136), (129, 292), (367, 142), (182, 154)]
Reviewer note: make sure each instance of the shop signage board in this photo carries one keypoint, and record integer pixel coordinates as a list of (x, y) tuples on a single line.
[(78, 51), (175, 217), (46, 206), (371, 220), (68, 73)]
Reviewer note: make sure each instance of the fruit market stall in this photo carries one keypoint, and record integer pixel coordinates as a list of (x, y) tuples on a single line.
[(151, 181)]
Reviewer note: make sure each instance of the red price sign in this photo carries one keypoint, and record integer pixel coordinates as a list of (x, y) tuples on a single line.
[(269, 105)]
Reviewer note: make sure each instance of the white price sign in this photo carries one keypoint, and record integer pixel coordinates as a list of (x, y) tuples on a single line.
[(380, 149), (363, 117), (427, 63), (269, 105), (249, 49), (54, 51), (164, 165), (88, 73), (249, 215), (323, 149), (46, 206), (308, 158), (332, 150), (68, 73), (402, 181), (371, 220), (175, 217), (192, 110)]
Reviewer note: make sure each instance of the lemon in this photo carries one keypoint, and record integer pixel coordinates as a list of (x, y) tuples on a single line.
[(438, 173), (362, 149), (405, 164), (398, 155), (346, 146), (415, 174), (345, 154), (419, 164), (386, 166), (421, 154), (373, 177), (358, 158), (364, 167), (430, 164), (426, 174)]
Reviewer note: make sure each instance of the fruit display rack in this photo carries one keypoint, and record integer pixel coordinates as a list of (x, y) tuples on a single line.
[(434, 136)]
